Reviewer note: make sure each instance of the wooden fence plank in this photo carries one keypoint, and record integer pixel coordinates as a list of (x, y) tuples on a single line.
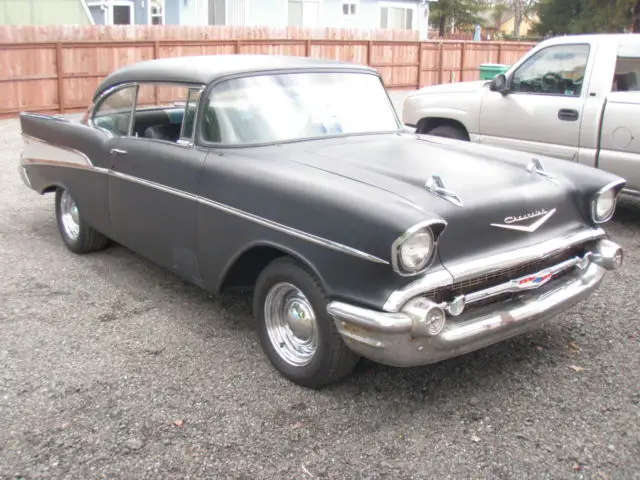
[(40, 67)]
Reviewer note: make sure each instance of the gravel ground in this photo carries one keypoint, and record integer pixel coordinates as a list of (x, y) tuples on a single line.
[(113, 368)]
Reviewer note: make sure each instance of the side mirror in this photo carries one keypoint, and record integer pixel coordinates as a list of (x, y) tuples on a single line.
[(499, 84)]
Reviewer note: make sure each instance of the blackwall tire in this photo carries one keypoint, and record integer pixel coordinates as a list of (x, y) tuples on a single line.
[(76, 234), (296, 333)]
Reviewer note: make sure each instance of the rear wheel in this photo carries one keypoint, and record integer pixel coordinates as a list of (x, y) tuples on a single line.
[(449, 131), (296, 333), (76, 234)]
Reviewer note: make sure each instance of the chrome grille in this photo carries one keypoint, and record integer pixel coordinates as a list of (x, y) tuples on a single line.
[(502, 276)]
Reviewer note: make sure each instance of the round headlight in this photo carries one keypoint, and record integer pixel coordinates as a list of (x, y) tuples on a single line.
[(415, 252), (604, 206)]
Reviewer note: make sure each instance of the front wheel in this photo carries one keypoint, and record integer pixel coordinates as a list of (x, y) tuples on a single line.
[(76, 234), (296, 333)]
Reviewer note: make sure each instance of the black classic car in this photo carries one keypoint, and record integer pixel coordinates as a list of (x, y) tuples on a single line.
[(294, 177)]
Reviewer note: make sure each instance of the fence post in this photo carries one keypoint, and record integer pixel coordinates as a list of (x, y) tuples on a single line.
[(236, 48), (307, 48), (61, 100), (441, 61), (500, 52), (463, 51), (156, 55), (419, 65), (369, 49)]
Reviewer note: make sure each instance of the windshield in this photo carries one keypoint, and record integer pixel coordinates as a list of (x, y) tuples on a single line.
[(276, 108)]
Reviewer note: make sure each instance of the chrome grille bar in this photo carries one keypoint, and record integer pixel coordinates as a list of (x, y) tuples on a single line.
[(529, 282)]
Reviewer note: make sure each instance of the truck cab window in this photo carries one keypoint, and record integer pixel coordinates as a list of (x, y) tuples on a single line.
[(557, 70), (627, 75)]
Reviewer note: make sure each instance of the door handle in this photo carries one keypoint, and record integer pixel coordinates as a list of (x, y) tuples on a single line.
[(568, 115), (117, 151)]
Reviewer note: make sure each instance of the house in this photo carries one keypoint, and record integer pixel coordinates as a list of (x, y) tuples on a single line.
[(44, 12), (507, 24), (367, 14)]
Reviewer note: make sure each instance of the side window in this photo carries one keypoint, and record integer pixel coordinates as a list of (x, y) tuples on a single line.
[(627, 75), (165, 112), (190, 115), (114, 112), (557, 70)]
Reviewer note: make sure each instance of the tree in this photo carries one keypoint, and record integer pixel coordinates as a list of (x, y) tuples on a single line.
[(458, 12), (588, 16), (522, 9)]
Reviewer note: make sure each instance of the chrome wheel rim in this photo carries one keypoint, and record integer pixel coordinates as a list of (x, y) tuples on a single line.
[(291, 324), (70, 216)]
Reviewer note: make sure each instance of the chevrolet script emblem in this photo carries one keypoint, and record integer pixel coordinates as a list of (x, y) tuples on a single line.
[(510, 222)]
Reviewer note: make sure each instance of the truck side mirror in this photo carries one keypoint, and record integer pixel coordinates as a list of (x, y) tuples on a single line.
[(499, 84)]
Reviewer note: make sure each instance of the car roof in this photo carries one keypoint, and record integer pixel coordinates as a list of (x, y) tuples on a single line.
[(204, 69)]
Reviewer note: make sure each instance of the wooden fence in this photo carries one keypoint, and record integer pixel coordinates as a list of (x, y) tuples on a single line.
[(61, 76)]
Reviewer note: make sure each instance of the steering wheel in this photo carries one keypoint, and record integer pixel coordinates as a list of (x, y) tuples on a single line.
[(551, 79)]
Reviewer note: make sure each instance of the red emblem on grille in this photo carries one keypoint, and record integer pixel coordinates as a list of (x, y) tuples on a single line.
[(535, 280)]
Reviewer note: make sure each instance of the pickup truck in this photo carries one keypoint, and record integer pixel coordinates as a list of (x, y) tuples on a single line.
[(575, 98)]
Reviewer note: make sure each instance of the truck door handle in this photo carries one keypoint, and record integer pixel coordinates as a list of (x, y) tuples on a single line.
[(117, 151), (568, 115)]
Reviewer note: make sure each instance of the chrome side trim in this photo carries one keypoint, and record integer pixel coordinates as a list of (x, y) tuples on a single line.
[(39, 151), (24, 176), (292, 231), (485, 265), (255, 218), (219, 206), (157, 186)]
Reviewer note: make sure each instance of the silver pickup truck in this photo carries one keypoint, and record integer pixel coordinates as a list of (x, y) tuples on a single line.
[(576, 98)]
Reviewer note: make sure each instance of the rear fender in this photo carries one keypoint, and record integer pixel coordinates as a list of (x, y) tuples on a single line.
[(59, 152)]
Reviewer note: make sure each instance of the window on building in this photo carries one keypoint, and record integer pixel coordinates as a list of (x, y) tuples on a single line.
[(396, 18), (303, 13), (348, 8), (122, 14), (157, 12)]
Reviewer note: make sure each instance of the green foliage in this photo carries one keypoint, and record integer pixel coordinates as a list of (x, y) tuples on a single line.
[(462, 12), (585, 16)]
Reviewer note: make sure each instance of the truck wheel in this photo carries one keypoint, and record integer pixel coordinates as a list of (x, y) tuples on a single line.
[(296, 332), (76, 234), (449, 131)]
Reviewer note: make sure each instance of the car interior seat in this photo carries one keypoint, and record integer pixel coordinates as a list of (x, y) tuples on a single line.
[(168, 131)]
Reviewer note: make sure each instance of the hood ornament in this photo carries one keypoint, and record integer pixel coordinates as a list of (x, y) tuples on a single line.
[(436, 186), (542, 216), (535, 166)]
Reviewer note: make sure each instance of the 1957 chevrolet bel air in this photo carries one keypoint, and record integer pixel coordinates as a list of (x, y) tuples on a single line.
[(294, 176)]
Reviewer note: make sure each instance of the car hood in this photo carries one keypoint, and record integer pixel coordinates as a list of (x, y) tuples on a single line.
[(496, 189)]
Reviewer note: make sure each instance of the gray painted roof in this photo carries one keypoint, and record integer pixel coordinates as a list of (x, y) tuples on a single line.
[(207, 68)]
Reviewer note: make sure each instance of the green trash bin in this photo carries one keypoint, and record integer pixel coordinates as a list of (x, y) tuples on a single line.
[(490, 70)]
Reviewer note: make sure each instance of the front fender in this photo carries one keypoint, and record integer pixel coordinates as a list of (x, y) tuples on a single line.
[(461, 108)]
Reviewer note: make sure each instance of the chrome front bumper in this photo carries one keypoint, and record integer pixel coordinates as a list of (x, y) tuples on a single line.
[(393, 339)]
